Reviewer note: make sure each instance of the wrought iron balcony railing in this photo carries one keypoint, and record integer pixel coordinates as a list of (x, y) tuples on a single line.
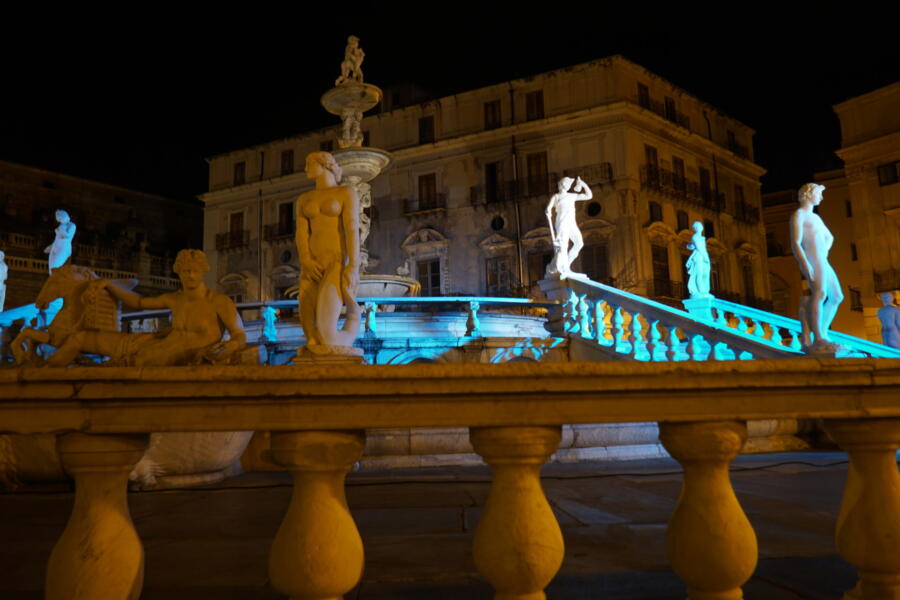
[(277, 231), (423, 204), (233, 240)]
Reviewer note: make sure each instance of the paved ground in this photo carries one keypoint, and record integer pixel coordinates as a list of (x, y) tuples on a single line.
[(417, 525)]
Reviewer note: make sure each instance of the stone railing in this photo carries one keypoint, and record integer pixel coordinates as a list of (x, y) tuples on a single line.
[(513, 412), (607, 322), (775, 330)]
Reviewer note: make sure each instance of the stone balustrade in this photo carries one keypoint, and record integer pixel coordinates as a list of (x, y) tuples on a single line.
[(318, 416)]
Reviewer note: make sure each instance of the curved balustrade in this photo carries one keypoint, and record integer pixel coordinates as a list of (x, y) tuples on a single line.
[(513, 412)]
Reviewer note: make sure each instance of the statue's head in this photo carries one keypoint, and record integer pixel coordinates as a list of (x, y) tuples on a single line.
[(62, 216), (810, 192), (697, 227), (888, 298), (322, 160), (190, 259), (564, 184), (353, 40)]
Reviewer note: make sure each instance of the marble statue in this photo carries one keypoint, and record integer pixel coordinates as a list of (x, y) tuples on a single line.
[(328, 247), (3, 272), (810, 241), (698, 264), (889, 315), (351, 66), (269, 332), (564, 228), (61, 248), (351, 128)]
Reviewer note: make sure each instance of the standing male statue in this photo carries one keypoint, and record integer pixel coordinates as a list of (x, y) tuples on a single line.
[(889, 315), (810, 241), (564, 228)]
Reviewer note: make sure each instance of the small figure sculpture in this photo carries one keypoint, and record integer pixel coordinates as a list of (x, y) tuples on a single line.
[(566, 228), (698, 264), (328, 247), (403, 270), (810, 241), (269, 333), (351, 128), (351, 67), (3, 273), (61, 248), (889, 315)]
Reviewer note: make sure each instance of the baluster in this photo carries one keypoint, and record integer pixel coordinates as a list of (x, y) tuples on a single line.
[(693, 346), (710, 543), (600, 326), (473, 325), (721, 321), (758, 329), (795, 340), (570, 311), (776, 335), (317, 553), (371, 327), (674, 344), (518, 545), (636, 338), (99, 555), (868, 524), (741, 324), (584, 316), (653, 345), (619, 329)]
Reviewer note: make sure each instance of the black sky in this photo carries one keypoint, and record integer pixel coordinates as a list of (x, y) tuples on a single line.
[(141, 98)]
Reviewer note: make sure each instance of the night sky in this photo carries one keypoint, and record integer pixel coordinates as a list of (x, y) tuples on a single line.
[(140, 99)]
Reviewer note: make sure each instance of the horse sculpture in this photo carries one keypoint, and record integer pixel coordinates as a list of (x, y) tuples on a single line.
[(88, 309)]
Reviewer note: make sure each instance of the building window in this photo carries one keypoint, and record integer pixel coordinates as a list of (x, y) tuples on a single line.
[(855, 299), (240, 173), (679, 182), (849, 208), (426, 130), (655, 212), (705, 185), (326, 146), (593, 209), (538, 182), (889, 173), (708, 230), (534, 105), (493, 191), (497, 272), (537, 265), (428, 197), (287, 162), (731, 140), (286, 218), (714, 277), (595, 262), (643, 94), (492, 114), (429, 276), (366, 139), (236, 223), (683, 221), (671, 111), (739, 194), (651, 157), (662, 282), (749, 287), (853, 254)]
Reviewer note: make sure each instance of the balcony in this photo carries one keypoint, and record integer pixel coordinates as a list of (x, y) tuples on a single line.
[(436, 202), (595, 174), (887, 280), (233, 240), (738, 148), (666, 289), (283, 230), (674, 185), (675, 116), (511, 414), (747, 213)]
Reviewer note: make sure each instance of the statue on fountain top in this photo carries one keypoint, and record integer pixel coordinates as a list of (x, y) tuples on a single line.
[(810, 241), (351, 66), (564, 228)]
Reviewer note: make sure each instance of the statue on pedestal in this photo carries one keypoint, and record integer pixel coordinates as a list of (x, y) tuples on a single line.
[(328, 246), (564, 228), (698, 264), (61, 248), (810, 241), (889, 315), (269, 332), (351, 67)]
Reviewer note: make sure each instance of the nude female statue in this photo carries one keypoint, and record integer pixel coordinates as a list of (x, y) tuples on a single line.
[(328, 246), (61, 248), (810, 241), (698, 264), (566, 228)]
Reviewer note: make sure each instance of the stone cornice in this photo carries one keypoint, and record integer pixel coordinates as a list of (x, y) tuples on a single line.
[(883, 148)]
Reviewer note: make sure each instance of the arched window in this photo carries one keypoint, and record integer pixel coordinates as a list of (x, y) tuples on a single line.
[(655, 212)]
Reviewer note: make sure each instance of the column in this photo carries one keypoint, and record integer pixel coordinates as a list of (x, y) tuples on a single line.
[(868, 526), (518, 545), (317, 553), (99, 555), (710, 543)]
